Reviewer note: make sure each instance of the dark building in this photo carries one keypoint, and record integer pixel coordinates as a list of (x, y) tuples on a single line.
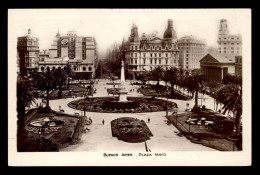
[(238, 66), (217, 66), (27, 54)]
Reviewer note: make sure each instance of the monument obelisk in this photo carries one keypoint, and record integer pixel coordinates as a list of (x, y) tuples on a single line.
[(122, 91)]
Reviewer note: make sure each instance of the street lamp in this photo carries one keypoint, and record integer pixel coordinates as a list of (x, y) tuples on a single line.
[(167, 94), (234, 138)]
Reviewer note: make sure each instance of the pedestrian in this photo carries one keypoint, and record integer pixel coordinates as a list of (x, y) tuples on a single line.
[(59, 107), (103, 121), (37, 104), (148, 120)]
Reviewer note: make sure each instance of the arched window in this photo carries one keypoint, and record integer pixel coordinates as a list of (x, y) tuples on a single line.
[(84, 68), (48, 68), (42, 68), (89, 68), (53, 68), (59, 67), (75, 67)]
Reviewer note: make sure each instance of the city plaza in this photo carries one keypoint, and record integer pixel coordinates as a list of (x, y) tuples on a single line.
[(99, 137)]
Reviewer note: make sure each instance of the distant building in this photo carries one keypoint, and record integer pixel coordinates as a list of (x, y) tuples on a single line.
[(191, 51), (77, 51), (217, 66), (148, 51), (238, 65), (228, 44), (27, 54), (213, 50)]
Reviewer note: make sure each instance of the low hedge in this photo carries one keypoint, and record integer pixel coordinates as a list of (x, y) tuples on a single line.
[(120, 105)]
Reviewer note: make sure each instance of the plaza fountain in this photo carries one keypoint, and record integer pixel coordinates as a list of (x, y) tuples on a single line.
[(121, 103)]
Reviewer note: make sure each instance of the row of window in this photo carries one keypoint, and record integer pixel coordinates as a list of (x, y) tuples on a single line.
[(152, 61), (230, 43), (232, 48), (151, 47), (75, 68), (151, 55), (227, 52)]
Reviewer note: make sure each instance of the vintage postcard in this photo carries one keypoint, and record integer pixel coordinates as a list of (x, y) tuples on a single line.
[(129, 87)]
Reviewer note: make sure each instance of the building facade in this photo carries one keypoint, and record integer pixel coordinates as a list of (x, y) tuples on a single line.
[(27, 54), (191, 51), (77, 51), (217, 66), (148, 51), (228, 44)]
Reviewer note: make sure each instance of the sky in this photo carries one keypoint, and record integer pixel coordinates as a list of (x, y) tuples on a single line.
[(112, 25)]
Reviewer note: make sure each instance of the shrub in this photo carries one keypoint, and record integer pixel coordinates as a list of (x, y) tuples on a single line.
[(120, 105)]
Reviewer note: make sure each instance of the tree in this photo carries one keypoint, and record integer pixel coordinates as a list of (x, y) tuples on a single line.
[(25, 96), (60, 78), (231, 97), (196, 83), (45, 81), (232, 79), (157, 73), (70, 73), (143, 76), (171, 75)]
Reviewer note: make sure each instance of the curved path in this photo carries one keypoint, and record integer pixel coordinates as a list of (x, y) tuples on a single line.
[(99, 137)]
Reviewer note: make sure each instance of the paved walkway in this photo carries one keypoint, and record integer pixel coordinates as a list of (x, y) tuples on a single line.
[(99, 137)]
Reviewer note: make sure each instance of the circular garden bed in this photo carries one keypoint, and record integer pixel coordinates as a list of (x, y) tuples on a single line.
[(111, 104), (130, 130)]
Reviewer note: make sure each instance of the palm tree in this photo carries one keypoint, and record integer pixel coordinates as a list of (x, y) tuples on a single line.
[(196, 83), (25, 96), (171, 75), (157, 73), (60, 79), (45, 81), (231, 97)]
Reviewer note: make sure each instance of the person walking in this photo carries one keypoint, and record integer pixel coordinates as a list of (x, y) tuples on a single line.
[(103, 121), (148, 120)]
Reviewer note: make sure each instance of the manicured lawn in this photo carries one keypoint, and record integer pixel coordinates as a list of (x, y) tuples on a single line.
[(215, 138), (97, 104), (61, 137)]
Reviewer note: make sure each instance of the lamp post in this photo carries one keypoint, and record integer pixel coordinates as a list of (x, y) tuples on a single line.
[(167, 94), (234, 138)]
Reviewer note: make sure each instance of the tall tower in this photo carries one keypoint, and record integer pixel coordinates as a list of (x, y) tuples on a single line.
[(134, 34), (27, 53), (228, 44), (223, 28)]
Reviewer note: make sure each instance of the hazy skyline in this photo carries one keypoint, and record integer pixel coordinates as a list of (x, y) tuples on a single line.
[(112, 25)]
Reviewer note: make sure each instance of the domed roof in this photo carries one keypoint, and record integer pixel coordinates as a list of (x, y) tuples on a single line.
[(170, 32)]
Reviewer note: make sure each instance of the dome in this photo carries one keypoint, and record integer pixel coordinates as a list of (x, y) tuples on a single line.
[(170, 32)]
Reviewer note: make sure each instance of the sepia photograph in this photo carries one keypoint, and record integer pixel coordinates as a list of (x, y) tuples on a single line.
[(129, 87)]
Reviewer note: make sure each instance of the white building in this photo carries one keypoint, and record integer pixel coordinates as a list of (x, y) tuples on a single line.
[(228, 44), (77, 51), (191, 51), (148, 51)]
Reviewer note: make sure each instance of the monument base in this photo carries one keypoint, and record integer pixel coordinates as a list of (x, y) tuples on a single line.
[(122, 94)]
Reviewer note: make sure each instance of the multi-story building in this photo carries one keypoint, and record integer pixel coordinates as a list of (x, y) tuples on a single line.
[(27, 54), (228, 44), (77, 51), (148, 51), (191, 51)]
